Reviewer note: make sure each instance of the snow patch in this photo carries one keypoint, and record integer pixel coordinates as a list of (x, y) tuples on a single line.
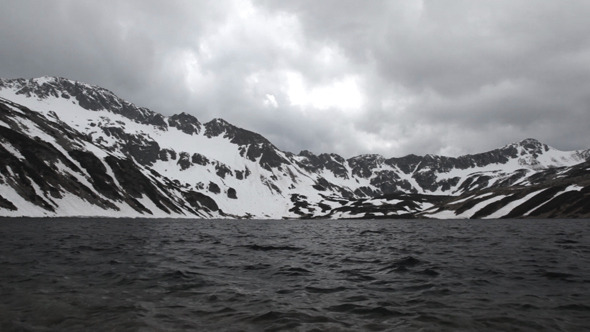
[(469, 213), (12, 150), (511, 206)]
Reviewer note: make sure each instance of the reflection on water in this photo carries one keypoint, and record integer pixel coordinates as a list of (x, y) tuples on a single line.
[(166, 275)]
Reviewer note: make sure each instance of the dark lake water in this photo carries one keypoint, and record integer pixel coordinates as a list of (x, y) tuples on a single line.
[(220, 275)]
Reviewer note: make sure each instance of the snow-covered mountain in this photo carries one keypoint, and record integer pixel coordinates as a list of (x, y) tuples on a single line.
[(72, 149)]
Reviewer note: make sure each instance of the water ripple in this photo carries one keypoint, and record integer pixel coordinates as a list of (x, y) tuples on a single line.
[(383, 275)]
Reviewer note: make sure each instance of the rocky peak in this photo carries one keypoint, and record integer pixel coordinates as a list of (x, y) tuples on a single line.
[(367, 158), (89, 97), (309, 161), (217, 127), (406, 164), (185, 123), (306, 153), (364, 165), (530, 142), (533, 147), (237, 135), (528, 146), (329, 161), (252, 145)]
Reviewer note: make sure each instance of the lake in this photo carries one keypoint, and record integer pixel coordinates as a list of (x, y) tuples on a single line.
[(302, 275)]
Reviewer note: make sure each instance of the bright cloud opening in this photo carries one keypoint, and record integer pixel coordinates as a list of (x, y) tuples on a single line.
[(270, 100), (343, 94)]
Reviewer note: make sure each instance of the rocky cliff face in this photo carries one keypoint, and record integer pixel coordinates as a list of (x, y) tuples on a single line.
[(69, 148)]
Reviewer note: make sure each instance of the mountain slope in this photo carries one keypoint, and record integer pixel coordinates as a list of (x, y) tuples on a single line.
[(50, 169), (70, 148)]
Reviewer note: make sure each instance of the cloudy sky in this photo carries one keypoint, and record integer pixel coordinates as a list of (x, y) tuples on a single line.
[(351, 77)]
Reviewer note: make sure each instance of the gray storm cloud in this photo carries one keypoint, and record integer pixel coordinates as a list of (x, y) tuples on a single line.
[(351, 77)]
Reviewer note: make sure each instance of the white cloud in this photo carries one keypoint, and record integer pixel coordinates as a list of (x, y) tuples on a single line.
[(346, 76), (342, 95), (270, 100)]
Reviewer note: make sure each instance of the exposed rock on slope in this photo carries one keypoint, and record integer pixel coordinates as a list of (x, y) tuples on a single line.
[(69, 148)]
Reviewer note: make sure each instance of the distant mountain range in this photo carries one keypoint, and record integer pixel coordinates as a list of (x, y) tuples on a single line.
[(72, 149)]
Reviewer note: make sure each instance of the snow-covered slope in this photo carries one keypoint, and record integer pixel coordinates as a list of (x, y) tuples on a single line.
[(180, 167)]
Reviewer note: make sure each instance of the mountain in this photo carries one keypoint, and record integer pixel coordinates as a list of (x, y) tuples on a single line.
[(72, 149)]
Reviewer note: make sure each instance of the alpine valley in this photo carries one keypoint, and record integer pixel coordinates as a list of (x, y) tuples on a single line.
[(72, 149)]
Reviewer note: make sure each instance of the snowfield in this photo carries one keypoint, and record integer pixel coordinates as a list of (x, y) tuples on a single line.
[(207, 173)]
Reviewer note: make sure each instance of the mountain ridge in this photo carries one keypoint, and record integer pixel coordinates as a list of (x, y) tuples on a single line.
[(227, 171), (95, 100)]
